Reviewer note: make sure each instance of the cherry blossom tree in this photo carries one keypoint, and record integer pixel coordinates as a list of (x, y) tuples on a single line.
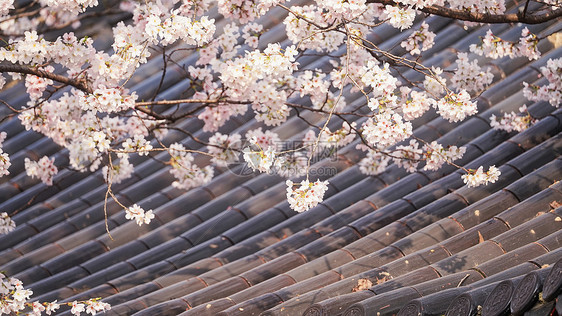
[(80, 96)]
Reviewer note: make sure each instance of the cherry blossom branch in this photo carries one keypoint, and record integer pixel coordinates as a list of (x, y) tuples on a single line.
[(189, 134), (473, 16), (87, 15), (78, 84), (153, 114), (394, 60), (9, 107), (298, 16), (299, 106), (346, 75), (20, 15), (142, 106), (180, 101)]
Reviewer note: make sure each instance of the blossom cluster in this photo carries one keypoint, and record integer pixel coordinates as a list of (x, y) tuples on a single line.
[(436, 155), (484, 6), (195, 7), (14, 300), (385, 129), (374, 163), (138, 214), (188, 175), (260, 159), (478, 177), (306, 195), (263, 139), (552, 92), (43, 169), (6, 223), (400, 18), (6, 6), (255, 76), (315, 85), (434, 83), (456, 107), (415, 106), (4, 158), (108, 100), (469, 76), (380, 80), (224, 148), (90, 307), (495, 47), (339, 138), (36, 85), (348, 10), (176, 26), (419, 41), (75, 6), (73, 120), (117, 172), (245, 10), (251, 33), (97, 120), (409, 156), (137, 144), (306, 34), (13, 296), (261, 155), (512, 121)]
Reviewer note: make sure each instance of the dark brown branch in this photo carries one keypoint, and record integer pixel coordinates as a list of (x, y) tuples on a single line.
[(164, 68), (152, 113), (173, 102), (45, 74), (20, 15), (519, 17)]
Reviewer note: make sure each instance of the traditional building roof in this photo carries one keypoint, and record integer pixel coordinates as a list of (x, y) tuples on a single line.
[(425, 242)]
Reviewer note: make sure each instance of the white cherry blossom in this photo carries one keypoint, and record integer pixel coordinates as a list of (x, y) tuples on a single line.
[(375, 163), (6, 223), (400, 18), (306, 195), (456, 107), (43, 169), (138, 214), (478, 177)]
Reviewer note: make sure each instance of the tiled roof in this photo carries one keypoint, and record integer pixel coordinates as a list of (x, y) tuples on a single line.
[(427, 243)]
